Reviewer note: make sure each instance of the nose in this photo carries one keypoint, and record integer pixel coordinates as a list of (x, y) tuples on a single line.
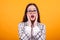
[(32, 13)]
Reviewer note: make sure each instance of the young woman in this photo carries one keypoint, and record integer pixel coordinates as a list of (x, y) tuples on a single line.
[(31, 27)]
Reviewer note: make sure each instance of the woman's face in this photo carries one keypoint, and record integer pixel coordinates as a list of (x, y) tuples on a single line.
[(32, 12)]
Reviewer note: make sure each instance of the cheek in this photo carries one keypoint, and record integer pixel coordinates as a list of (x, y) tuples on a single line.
[(35, 15), (28, 14)]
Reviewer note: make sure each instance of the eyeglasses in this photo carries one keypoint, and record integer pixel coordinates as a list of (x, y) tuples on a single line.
[(32, 11)]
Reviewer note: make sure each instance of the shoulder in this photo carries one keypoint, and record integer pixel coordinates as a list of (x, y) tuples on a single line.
[(21, 24), (41, 25)]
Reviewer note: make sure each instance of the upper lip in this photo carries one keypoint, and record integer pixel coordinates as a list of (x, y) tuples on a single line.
[(32, 16)]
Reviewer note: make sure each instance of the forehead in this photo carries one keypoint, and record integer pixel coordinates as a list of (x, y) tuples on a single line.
[(31, 7)]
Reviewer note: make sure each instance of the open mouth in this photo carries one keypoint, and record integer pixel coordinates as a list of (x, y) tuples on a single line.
[(32, 16)]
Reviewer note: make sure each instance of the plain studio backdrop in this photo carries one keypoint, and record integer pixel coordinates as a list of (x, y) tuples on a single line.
[(12, 12)]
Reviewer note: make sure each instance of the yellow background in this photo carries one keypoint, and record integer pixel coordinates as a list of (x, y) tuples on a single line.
[(12, 11)]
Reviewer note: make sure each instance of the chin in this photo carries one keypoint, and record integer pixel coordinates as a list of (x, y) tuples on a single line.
[(32, 19)]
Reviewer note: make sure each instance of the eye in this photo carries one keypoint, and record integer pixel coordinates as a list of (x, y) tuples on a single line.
[(29, 10), (34, 10)]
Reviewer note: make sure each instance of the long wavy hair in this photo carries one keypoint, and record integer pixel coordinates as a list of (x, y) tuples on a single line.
[(25, 19)]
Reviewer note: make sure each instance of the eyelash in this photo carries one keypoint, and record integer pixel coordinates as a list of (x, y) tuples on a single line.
[(31, 11)]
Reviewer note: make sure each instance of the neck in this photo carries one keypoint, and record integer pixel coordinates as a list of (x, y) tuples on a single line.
[(32, 23)]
